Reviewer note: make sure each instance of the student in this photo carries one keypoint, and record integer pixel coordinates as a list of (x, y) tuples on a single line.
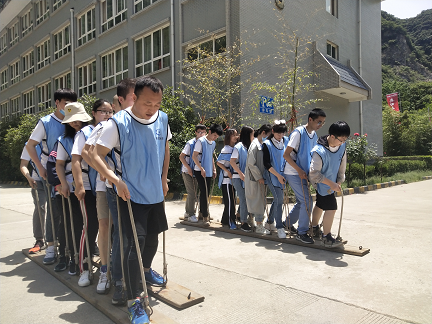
[(46, 133), (86, 186), (75, 119), (225, 177), (301, 142), (238, 163), (255, 190), (327, 172), (204, 169), (273, 149), (140, 177), (188, 176), (39, 211)]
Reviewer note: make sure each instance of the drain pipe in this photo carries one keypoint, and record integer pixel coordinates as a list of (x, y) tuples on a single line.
[(360, 64), (172, 48), (72, 34)]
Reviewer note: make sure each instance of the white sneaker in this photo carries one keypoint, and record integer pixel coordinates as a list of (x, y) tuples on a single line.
[(103, 283), (270, 227), (84, 279), (260, 229), (193, 219), (281, 233)]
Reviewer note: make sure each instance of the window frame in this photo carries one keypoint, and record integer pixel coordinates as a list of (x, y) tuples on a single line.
[(84, 79), (63, 81), (14, 71), (57, 4), (44, 99), (88, 35), (137, 2), (3, 43), (116, 76), (4, 77), (60, 37), (334, 49), (28, 99), (46, 48), (28, 26), (14, 29), (198, 46), (2, 105), (332, 7), (25, 61), (117, 16), (16, 112), (40, 15)]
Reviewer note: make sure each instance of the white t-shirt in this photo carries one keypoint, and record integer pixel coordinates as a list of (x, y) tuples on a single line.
[(198, 148), (25, 156), (294, 142), (226, 149), (64, 156), (186, 151), (77, 148), (100, 185), (38, 135), (235, 155)]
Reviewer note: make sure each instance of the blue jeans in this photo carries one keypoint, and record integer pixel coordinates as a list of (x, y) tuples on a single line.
[(237, 183), (299, 212), (276, 206)]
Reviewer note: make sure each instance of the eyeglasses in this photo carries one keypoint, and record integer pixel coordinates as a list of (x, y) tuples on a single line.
[(322, 123), (105, 112), (278, 122), (340, 140), (201, 132)]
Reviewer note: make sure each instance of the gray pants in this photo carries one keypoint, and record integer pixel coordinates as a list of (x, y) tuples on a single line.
[(191, 185), (56, 212), (37, 226)]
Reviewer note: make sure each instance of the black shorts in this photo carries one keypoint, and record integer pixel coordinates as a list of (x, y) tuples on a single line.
[(326, 202), (149, 219)]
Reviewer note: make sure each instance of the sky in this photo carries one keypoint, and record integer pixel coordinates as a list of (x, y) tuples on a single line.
[(405, 8)]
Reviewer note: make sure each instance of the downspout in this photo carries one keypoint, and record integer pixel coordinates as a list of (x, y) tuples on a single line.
[(172, 48), (360, 65), (72, 48)]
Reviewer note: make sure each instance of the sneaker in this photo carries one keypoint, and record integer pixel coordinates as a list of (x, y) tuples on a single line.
[(305, 238), (62, 265), (37, 247), (72, 268), (245, 227), (193, 219), (137, 315), (96, 250), (206, 221), (84, 279), (50, 256), (119, 296), (329, 241), (281, 233), (260, 229), (317, 233), (293, 230), (103, 284), (233, 226), (251, 221), (270, 227), (153, 278)]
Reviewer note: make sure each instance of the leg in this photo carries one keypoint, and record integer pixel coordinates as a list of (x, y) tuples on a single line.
[(190, 189), (227, 201), (300, 211), (203, 198), (328, 221), (39, 211), (316, 215), (242, 198)]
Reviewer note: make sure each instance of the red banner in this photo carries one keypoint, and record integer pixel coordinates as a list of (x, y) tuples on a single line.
[(392, 100)]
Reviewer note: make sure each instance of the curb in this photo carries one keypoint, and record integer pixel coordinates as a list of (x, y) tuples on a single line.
[(16, 183)]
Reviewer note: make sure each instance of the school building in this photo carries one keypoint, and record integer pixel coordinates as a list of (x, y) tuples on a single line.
[(90, 45)]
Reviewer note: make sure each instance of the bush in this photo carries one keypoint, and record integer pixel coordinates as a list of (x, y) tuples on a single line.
[(389, 167)]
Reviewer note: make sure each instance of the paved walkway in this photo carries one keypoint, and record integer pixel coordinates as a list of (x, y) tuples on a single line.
[(255, 281)]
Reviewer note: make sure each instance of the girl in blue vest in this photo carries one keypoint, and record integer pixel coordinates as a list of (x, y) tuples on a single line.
[(75, 119), (225, 176), (238, 163), (326, 173), (273, 150)]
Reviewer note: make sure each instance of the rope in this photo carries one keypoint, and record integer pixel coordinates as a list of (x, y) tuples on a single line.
[(286, 207), (52, 219), (76, 253), (67, 251), (40, 216), (165, 264), (109, 253), (196, 197), (89, 262), (121, 247), (339, 238)]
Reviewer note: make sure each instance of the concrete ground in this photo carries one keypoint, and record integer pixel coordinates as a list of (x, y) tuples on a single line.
[(245, 280)]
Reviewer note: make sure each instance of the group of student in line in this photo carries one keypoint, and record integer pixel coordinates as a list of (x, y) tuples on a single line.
[(254, 160)]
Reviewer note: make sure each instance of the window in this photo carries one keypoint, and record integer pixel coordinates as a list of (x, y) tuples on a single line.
[(332, 6), (28, 102), (86, 27), (152, 52), (57, 4), (4, 110), (28, 64), (211, 47), (4, 79), (62, 44), (332, 50), (141, 4), (14, 34), (3, 43), (113, 12), (42, 11), (15, 106), (87, 79), (44, 96), (43, 54), (14, 72), (63, 81), (114, 67), (27, 22)]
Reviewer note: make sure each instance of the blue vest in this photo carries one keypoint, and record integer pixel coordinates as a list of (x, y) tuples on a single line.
[(277, 160), (242, 158), (91, 173), (207, 156), (188, 158), (38, 152), (331, 162), (53, 130), (67, 144), (303, 158), (222, 175), (142, 153)]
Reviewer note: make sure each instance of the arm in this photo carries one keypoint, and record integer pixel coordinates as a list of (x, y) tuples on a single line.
[(316, 176), (287, 157), (342, 168), (186, 165), (77, 175), (197, 163), (60, 168), (228, 172), (214, 168), (268, 166), (251, 164), (31, 149), (165, 169), (236, 168), (85, 154), (26, 173)]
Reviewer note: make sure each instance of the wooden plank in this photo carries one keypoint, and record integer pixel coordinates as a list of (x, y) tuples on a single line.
[(175, 295), (118, 314), (346, 249)]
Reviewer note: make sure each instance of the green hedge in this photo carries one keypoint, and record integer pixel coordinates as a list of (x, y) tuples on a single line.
[(426, 158)]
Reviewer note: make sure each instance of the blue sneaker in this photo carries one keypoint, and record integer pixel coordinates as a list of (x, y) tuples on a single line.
[(233, 226), (137, 315), (153, 278)]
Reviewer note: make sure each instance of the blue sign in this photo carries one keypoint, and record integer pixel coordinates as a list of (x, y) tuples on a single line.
[(266, 105)]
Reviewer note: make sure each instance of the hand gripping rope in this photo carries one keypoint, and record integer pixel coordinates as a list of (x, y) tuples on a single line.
[(52, 218), (40, 216), (89, 257), (67, 250), (76, 253)]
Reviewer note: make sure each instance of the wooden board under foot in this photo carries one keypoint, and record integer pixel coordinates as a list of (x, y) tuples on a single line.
[(175, 295), (346, 249)]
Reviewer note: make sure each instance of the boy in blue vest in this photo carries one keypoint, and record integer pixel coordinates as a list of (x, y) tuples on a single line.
[(187, 174), (46, 133), (204, 169), (301, 142), (327, 172), (140, 135)]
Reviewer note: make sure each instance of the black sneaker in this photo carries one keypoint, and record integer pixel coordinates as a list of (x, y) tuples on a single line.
[(62, 265), (293, 230), (317, 233), (245, 227), (305, 238), (119, 296), (96, 250), (72, 268), (330, 242)]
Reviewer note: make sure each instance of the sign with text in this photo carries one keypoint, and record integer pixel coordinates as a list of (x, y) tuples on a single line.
[(392, 100), (266, 105)]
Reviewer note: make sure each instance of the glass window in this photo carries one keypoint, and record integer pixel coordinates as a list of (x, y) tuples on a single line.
[(14, 34), (28, 102), (3, 43), (44, 96), (28, 64), (86, 27), (43, 54), (114, 67), (27, 22), (63, 81), (14, 72), (141, 4), (87, 79), (211, 47), (4, 110), (332, 50), (331, 7), (57, 4), (15, 106), (62, 44), (42, 11), (4, 79), (113, 12)]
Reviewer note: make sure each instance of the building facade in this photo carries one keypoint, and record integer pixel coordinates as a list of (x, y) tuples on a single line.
[(91, 45)]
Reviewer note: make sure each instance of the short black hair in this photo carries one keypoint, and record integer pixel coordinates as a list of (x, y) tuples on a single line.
[(124, 87), (150, 82), (278, 128), (317, 112), (264, 128), (339, 129), (65, 93), (200, 126), (245, 136), (215, 128)]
